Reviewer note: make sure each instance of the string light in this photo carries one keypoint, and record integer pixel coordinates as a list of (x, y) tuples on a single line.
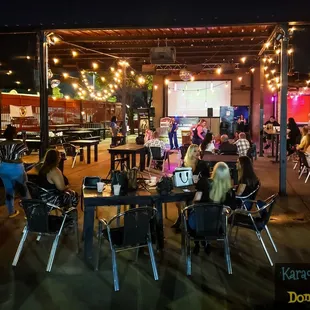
[(9, 72), (155, 87), (102, 78), (192, 78), (141, 80), (74, 53), (56, 61), (252, 70), (167, 81), (75, 85), (67, 97), (65, 75), (18, 82), (28, 57), (267, 44), (55, 39), (219, 70), (290, 51), (243, 59), (95, 65), (278, 51), (132, 72), (240, 78)]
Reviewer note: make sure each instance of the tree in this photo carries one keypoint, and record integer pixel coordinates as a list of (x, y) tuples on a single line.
[(57, 93)]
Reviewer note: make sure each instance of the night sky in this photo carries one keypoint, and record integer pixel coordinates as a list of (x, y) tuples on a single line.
[(34, 14)]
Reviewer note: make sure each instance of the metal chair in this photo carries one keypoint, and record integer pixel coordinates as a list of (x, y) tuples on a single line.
[(134, 234), (210, 221), (72, 151), (39, 221), (246, 200), (155, 154), (304, 166), (256, 220)]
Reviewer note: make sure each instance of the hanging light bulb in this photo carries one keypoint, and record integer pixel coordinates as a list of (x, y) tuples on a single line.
[(112, 69), (240, 78), (74, 53), (75, 85), (243, 59), (103, 79), (132, 72), (56, 61), (252, 70), (167, 81), (155, 87), (219, 70), (65, 75), (192, 78), (95, 65), (290, 51)]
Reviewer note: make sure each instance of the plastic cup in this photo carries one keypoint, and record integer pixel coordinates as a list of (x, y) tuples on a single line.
[(116, 189), (195, 178), (100, 186), (153, 180)]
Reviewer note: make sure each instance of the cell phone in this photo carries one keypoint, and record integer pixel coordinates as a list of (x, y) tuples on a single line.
[(185, 190)]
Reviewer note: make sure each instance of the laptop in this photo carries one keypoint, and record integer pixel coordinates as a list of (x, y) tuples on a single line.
[(91, 182)]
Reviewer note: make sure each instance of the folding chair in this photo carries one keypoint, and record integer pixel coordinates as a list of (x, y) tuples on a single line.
[(134, 234), (210, 221), (39, 221), (72, 151), (256, 220), (304, 166)]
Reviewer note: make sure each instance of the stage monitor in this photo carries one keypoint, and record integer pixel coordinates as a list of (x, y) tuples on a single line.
[(194, 98)]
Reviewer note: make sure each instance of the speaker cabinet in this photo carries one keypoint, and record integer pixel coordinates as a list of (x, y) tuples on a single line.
[(210, 112)]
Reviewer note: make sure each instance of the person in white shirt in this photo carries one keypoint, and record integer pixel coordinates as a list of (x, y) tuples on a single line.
[(207, 144), (155, 142)]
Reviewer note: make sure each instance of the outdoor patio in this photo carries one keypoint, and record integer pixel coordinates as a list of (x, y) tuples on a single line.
[(72, 284)]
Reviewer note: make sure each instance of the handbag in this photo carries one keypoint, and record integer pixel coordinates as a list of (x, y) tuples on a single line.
[(121, 178), (183, 177), (164, 186), (132, 179)]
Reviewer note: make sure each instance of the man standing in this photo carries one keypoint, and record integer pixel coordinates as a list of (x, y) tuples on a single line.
[(243, 144), (173, 127)]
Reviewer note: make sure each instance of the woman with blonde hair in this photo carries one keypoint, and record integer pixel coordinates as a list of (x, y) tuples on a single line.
[(304, 133), (199, 167), (217, 189)]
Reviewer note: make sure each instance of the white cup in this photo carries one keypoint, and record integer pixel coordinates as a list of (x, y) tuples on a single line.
[(100, 186), (195, 178), (153, 180), (116, 189)]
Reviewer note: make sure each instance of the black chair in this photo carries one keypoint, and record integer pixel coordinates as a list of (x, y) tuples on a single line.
[(134, 234), (156, 157), (304, 166), (256, 220), (39, 221), (211, 224)]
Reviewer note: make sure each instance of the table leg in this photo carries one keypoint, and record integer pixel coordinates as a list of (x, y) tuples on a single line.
[(88, 154), (112, 163), (81, 154), (88, 229), (133, 159), (142, 160), (96, 152), (160, 224), (272, 146)]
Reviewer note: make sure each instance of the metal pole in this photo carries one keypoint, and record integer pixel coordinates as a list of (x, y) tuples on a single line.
[(43, 62), (124, 95), (261, 108), (283, 109)]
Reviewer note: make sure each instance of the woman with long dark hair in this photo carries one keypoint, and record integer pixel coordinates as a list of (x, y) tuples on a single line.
[(247, 179), (207, 144), (293, 135), (12, 171), (51, 178)]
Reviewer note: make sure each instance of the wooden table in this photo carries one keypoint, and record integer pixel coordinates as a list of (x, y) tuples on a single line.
[(230, 160), (130, 149), (93, 199), (88, 144)]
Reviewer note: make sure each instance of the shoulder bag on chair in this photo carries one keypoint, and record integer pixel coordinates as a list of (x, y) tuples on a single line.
[(183, 177)]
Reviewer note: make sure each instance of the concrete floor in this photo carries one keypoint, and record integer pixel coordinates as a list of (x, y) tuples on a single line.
[(73, 285)]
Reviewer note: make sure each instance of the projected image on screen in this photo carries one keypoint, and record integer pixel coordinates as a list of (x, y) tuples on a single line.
[(194, 98)]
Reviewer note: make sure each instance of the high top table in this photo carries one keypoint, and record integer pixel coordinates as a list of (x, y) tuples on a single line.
[(88, 144), (130, 149)]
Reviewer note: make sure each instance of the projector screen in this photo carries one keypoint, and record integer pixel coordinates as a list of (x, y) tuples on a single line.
[(194, 98)]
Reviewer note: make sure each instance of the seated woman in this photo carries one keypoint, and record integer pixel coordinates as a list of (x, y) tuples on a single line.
[(248, 181), (217, 189), (304, 133), (52, 179), (199, 168), (207, 144)]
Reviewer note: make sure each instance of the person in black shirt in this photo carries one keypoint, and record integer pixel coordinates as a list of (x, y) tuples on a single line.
[(226, 147), (272, 123), (294, 135)]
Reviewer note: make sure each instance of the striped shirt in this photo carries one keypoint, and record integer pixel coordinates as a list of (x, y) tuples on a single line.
[(12, 151)]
